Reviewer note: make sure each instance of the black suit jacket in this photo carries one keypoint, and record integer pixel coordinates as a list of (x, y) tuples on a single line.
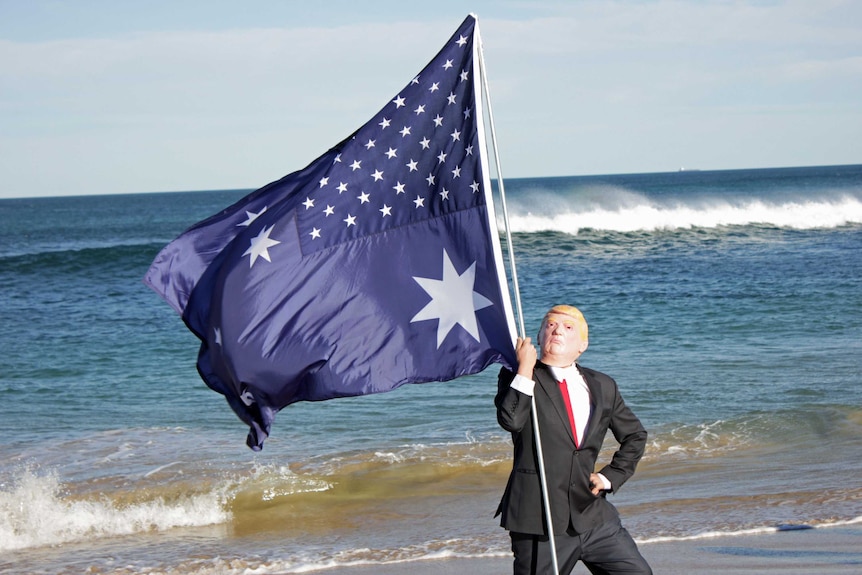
[(567, 468)]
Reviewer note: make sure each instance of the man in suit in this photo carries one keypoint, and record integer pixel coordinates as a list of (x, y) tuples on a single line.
[(576, 406)]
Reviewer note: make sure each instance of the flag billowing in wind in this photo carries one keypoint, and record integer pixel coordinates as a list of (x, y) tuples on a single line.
[(377, 265)]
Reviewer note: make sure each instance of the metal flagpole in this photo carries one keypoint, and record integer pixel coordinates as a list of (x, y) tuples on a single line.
[(522, 330)]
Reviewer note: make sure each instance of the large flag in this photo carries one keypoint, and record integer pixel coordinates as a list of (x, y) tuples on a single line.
[(379, 264)]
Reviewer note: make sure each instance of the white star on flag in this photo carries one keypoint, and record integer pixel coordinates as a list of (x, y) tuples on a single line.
[(251, 217), (246, 397), (453, 300), (260, 246)]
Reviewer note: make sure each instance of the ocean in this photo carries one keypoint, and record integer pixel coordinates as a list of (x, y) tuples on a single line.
[(726, 304)]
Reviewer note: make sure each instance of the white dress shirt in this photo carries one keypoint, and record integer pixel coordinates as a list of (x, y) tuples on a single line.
[(579, 396)]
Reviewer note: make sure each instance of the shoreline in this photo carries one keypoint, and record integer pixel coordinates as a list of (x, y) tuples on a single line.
[(802, 550)]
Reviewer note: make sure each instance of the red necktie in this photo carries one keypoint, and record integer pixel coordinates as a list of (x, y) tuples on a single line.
[(564, 389)]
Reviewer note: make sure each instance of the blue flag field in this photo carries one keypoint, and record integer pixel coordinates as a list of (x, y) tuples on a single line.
[(377, 265)]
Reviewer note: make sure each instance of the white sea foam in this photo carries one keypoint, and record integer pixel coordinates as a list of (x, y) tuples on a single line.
[(365, 557), (275, 481), (645, 215), (743, 532), (34, 512)]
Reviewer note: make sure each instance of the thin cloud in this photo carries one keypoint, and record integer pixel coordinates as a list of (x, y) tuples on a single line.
[(583, 87)]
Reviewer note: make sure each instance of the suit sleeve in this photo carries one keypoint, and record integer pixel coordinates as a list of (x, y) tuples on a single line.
[(513, 407), (632, 437)]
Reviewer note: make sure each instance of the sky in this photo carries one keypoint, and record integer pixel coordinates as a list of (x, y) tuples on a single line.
[(123, 96)]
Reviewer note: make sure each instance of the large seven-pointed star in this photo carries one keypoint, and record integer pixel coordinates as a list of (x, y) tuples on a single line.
[(453, 301), (260, 246)]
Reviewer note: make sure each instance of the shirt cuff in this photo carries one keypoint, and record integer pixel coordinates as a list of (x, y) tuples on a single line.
[(605, 481), (523, 384)]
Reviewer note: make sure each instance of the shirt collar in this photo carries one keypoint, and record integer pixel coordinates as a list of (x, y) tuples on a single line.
[(561, 373)]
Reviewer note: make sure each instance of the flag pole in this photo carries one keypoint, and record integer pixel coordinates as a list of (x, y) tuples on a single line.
[(522, 330)]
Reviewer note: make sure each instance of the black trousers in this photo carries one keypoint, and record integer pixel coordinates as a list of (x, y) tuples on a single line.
[(606, 550)]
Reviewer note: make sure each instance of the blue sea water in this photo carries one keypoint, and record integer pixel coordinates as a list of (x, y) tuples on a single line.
[(728, 306)]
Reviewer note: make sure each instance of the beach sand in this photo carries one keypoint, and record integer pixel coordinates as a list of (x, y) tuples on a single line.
[(822, 551)]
